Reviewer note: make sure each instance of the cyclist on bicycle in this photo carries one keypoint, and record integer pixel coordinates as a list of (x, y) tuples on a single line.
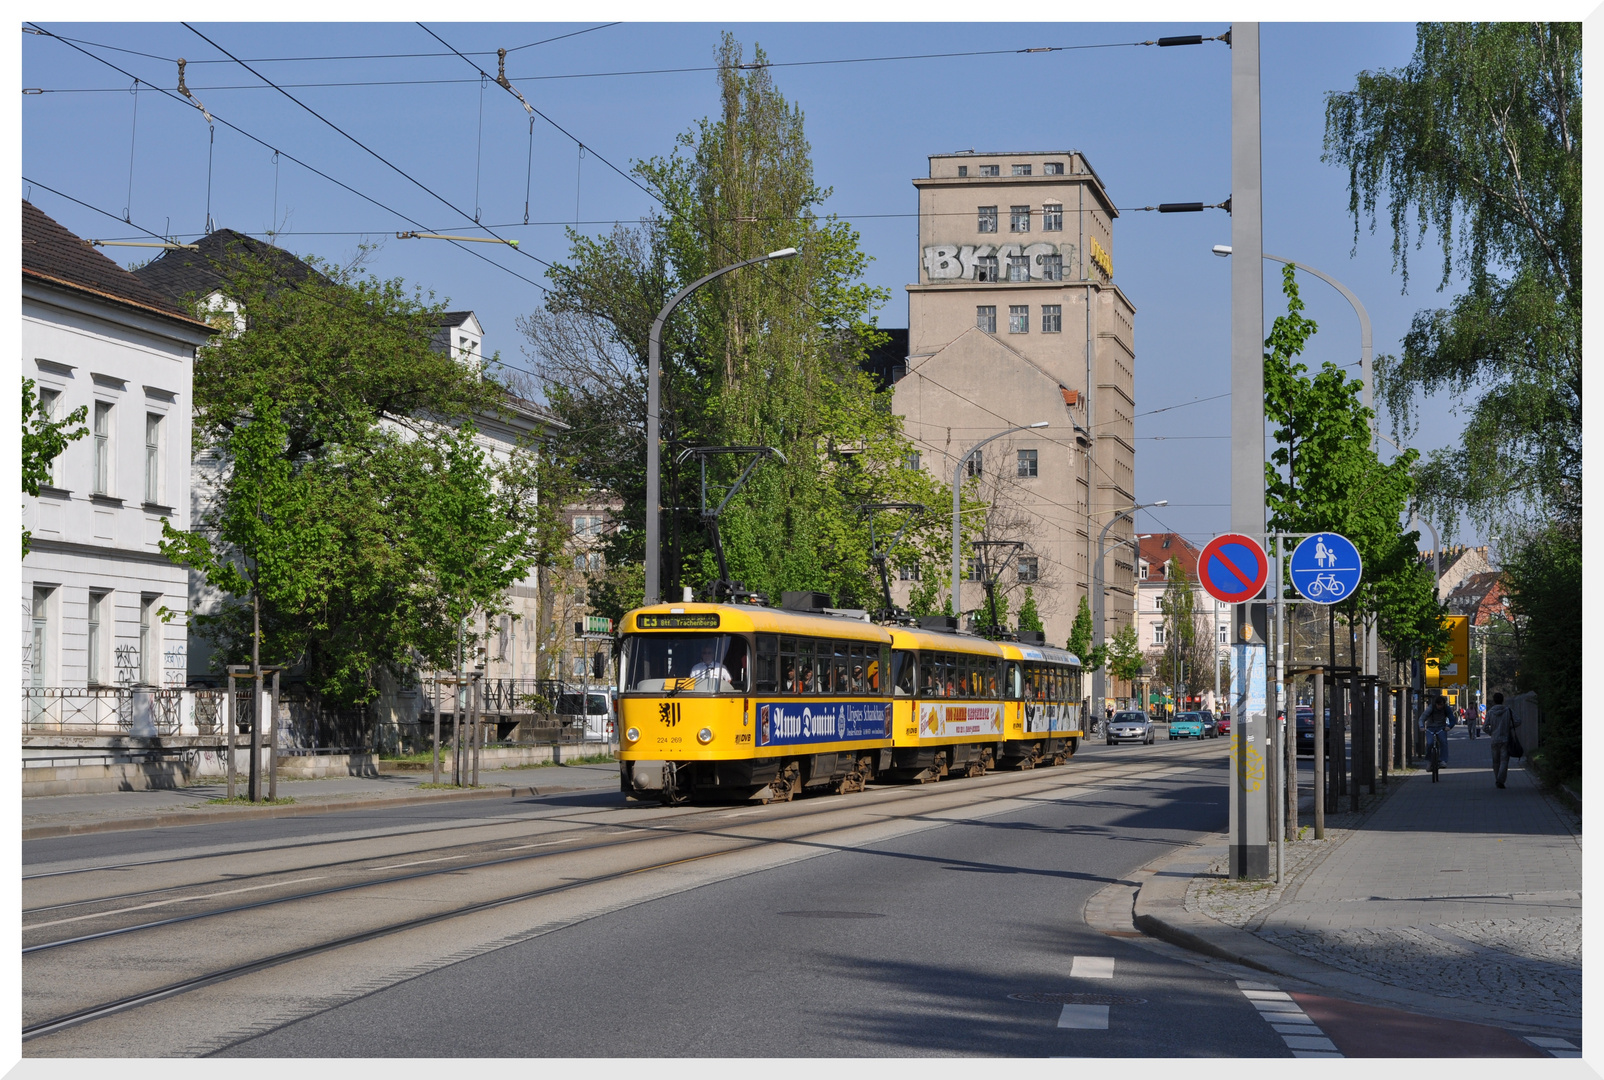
[(1437, 728)]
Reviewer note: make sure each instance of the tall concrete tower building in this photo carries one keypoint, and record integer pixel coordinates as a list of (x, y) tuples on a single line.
[(1016, 319)]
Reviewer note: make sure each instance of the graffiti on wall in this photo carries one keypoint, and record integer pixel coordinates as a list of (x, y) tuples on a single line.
[(959, 262)]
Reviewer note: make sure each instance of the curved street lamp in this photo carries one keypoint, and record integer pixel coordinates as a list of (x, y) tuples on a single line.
[(1098, 634), (957, 482), (653, 423)]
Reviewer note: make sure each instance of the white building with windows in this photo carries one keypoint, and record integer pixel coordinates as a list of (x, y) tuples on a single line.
[(102, 606)]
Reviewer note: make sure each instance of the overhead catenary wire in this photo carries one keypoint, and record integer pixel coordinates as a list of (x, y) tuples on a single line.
[(310, 168)]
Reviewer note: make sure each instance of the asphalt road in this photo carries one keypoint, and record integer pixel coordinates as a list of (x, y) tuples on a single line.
[(907, 921)]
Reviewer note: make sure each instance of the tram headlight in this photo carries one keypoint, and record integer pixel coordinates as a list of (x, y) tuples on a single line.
[(704, 736), (631, 734)]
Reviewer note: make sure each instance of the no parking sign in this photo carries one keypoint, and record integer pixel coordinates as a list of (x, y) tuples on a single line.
[(1233, 568)]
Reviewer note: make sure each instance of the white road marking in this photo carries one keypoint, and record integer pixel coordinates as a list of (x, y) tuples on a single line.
[(420, 862), (1557, 1047), (1086, 1017), (1288, 1020), (543, 843), (175, 900), (1092, 967)]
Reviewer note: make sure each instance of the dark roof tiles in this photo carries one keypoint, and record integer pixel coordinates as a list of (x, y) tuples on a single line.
[(190, 275), (51, 251)]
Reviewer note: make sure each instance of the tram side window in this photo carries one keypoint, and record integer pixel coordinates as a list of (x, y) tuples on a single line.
[(993, 668), (766, 659), (860, 664), (1012, 684), (879, 672), (904, 672), (842, 667)]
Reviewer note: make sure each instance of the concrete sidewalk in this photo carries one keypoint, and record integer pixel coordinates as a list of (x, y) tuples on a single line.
[(65, 815), (1454, 898)]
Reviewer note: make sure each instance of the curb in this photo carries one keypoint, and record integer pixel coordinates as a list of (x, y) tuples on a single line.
[(214, 817), (1159, 912)]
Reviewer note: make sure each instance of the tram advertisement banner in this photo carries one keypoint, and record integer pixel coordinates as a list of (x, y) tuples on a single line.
[(788, 724), (941, 720), (1044, 717)]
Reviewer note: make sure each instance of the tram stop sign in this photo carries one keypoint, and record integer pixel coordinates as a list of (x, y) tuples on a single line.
[(1233, 568), (1326, 568)]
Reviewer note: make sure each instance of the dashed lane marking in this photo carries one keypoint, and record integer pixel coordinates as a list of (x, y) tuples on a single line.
[(1092, 967), (1557, 1047), (1085, 1017), (1287, 1019)]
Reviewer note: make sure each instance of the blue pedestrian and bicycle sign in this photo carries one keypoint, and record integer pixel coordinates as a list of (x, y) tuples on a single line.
[(1326, 568)]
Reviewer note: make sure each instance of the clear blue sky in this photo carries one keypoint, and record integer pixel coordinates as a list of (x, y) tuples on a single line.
[(1155, 123)]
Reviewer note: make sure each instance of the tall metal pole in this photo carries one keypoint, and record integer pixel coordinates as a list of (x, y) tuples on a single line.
[(957, 485), (1250, 854), (272, 744), (653, 422)]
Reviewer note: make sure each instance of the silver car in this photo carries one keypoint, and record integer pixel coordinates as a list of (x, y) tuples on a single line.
[(1130, 727)]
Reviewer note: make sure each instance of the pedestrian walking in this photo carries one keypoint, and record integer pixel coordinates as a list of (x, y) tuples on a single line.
[(1501, 725)]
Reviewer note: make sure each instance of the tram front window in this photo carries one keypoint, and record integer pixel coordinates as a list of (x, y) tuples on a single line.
[(685, 663)]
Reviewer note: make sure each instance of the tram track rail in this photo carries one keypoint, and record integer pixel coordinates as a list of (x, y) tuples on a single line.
[(812, 831)]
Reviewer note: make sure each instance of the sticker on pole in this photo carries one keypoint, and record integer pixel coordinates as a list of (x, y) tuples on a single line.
[(1233, 568), (1326, 568)]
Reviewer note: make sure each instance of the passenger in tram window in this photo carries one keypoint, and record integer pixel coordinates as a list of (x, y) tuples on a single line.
[(805, 683), (788, 682)]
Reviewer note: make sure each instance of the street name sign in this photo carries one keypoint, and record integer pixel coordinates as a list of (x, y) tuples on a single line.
[(1233, 568), (1326, 568)]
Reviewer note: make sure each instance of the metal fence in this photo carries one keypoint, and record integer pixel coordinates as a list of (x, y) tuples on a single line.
[(102, 710)]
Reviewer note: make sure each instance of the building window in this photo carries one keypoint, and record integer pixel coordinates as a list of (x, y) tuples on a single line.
[(986, 219), (908, 573), (153, 458), (1052, 218), (1158, 602), (1052, 318), (1052, 267), (1019, 268), (1028, 570), (40, 652), (986, 268), (988, 170), (590, 525), (1158, 633), (976, 570), (986, 318), (99, 609), (102, 448), (1225, 635), (1053, 168), (1027, 463), (588, 560), (47, 406), (963, 170), (1021, 170), (1019, 319), (972, 464), (149, 646), (1019, 219), (913, 460)]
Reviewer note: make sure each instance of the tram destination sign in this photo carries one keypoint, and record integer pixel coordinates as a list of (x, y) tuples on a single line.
[(707, 621)]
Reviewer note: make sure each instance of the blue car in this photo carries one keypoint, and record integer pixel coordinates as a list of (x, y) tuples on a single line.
[(1187, 725)]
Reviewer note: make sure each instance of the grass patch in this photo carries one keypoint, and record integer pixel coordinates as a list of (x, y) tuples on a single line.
[(588, 759), (245, 800)]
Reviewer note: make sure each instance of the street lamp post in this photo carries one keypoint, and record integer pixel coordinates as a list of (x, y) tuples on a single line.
[(1097, 593), (957, 483), (653, 422)]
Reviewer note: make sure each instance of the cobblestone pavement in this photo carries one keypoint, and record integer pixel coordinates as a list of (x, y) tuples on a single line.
[(1456, 889)]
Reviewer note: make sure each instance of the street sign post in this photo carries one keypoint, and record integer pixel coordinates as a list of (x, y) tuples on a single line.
[(1233, 568), (1326, 568)]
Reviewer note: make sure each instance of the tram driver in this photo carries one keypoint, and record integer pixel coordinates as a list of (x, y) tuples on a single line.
[(710, 668)]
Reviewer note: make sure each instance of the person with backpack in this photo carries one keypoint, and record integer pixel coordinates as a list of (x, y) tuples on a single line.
[(1436, 724), (1501, 725)]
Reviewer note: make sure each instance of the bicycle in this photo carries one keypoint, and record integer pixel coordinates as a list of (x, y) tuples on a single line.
[(1434, 751), (1326, 583)]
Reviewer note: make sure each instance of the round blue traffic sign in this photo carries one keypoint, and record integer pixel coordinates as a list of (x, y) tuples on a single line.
[(1326, 568), (1232, 568)]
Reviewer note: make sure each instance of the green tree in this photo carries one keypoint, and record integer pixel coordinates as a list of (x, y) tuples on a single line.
[(1545, 586), (1091, 656), (1480, 138), (1029, 616), (348, 518), (767, 356), (1125, 660), (1325, 476), (43, 439)]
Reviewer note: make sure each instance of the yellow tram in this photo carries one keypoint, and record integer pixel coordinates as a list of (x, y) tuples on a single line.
[(737, 701)]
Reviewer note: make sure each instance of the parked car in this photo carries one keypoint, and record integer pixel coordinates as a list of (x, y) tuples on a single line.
[(1188, 725), (1130, 727), (1211, 724), (1225, 724)]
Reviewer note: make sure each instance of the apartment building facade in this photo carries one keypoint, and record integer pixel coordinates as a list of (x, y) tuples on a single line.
[(1016, 319)]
